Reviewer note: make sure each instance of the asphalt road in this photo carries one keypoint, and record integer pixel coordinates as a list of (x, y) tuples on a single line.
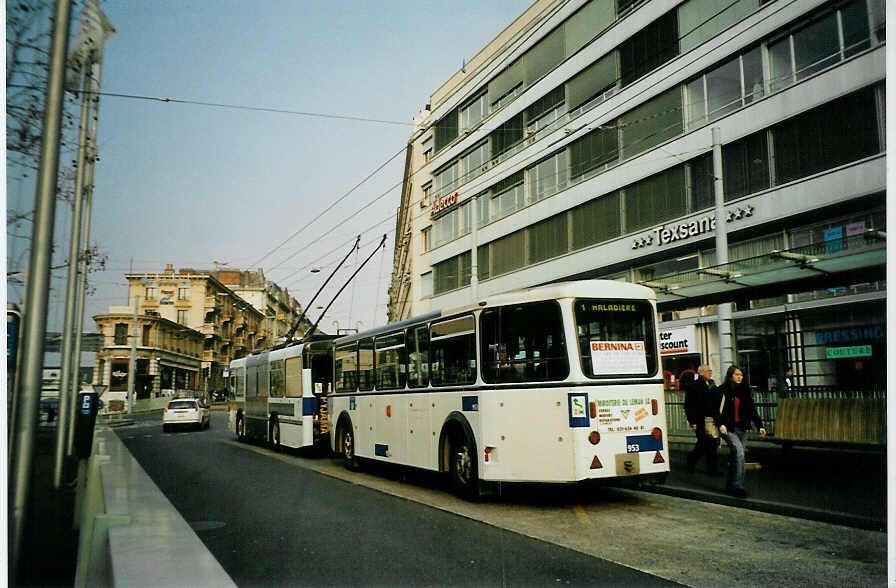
[(296, 519), (269, 522)]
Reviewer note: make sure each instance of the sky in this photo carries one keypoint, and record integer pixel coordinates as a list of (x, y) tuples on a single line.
[(192, 184)]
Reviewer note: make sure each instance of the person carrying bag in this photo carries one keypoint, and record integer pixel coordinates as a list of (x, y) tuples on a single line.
[(700, 404)]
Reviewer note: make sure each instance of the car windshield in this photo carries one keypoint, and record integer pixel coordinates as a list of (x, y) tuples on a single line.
[(181, 404)]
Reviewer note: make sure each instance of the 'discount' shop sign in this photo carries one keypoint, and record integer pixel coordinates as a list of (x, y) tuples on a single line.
[(680, 340)]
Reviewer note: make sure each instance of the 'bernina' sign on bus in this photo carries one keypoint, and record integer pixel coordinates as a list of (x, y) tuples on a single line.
[(443, 202)]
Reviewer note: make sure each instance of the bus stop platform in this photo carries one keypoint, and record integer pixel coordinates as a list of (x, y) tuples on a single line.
[(840, 485)]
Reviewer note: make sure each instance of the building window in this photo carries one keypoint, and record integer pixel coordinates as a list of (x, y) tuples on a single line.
[(836, 133), (474, 162), (121, 334), (593, 151), (183, 293), (150, 293), (182, 316), (427, 193), (450, 226), (654, 200), (427, 149), (651, 123), (701, 20), (548, 177), (446, 178), (473, 113), (446, 130), (507, 196), (425, 233), (452, 273), (507, 135), (147, 331), (745, 165), (118, 377), (596, 221), (590, 86), (648, 49), (548, 239)]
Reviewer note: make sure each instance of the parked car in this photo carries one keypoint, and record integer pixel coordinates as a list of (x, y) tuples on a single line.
[(185, 411)]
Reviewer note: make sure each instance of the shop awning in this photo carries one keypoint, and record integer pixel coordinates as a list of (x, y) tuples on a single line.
[(818, 259)]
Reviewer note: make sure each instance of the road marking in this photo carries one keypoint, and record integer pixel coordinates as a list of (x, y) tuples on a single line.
[(581, 514)]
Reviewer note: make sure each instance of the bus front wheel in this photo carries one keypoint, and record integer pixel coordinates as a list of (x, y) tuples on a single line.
[(347, 446), (240, 428), (275, 436)]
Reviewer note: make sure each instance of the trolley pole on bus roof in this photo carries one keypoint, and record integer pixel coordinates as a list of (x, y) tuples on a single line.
[(37, 291)]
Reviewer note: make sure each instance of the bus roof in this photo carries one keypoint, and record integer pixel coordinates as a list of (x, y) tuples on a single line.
[(572, 289)]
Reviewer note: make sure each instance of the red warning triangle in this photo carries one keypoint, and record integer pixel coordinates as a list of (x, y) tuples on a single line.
[(658, 458), (595, 463)]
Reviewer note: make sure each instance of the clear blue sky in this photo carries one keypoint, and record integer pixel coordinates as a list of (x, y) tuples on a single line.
[(189, 184)]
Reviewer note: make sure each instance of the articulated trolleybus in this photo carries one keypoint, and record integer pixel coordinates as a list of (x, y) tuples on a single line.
[(558, 383), (280, 395)]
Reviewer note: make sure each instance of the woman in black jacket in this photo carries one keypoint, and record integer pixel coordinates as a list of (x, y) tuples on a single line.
[(737, 414)]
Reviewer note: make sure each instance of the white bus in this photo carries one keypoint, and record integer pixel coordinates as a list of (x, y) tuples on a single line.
[(557, 383), (280, 395)]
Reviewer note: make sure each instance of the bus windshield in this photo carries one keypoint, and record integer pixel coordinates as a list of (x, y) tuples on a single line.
[(616, 337)]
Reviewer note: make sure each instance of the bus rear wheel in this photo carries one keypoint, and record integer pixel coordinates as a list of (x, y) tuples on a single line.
[(464, 470), (347, 446), (275, 436), (240, 428)]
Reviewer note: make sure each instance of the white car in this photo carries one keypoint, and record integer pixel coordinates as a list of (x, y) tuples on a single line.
[(185, 411)]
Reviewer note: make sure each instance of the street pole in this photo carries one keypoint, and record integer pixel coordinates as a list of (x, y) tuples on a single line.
[(70, 294), (37, 291), (474, 252), (132, 364), (723, 312)]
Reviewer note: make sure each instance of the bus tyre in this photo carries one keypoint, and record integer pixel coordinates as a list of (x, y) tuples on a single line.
[(240, 428), (347, 446), (464, 470), (275, 435)]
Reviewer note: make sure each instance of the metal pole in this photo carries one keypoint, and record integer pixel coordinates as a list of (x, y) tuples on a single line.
[(70, 295), (132, 364), (93, 85), (723, 309), (37, 290), (474, 253)]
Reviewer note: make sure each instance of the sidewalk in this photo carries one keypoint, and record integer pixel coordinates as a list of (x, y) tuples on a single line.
[(836, 485)]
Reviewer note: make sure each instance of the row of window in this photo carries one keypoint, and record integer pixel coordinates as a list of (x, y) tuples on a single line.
[(673, 33), (718, 91), (518, 343), (839, 132), (714, 93), (183, 293)]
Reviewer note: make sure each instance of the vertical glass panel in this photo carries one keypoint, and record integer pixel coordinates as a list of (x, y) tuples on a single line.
[(523, 343), (549, 176), (592, 151), (483, 209), (817, 46), (753, 84), (856, 36), (465, 268), (446, 178), (592, 81), (596, 221), (446, 130), (418, 357), (345, 361), (471, 163), (656, 199), (445, 276), (293, 377), (723, 89), (484, 261), (504, 82), (781, 64), (745, 165), (426, 284), (651, 123), (648, 49), (701, 20), (544, 56), (696, 103), (702, 191), (588, 23), (507, 135), (548, 239), (474, 112), (453, 351), (544, 104), (365, 364), (508, 253), (390, 362)]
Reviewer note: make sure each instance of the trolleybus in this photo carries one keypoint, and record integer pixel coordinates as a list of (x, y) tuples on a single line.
[(557, 383), (280, 395)]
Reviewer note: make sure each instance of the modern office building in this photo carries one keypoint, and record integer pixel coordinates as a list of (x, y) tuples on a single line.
[(579, 144)]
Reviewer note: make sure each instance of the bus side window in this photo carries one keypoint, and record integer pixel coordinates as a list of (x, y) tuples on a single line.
[(418, 357), (453, 351), (346, 367), (365, 364)]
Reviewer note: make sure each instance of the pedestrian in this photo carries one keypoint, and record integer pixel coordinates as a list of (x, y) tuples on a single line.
[(788, 382), (737, 414), (701, 400)]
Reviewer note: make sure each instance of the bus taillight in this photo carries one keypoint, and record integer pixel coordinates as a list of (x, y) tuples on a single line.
[(594, 437), (592, 406), (486, 453), (656, 433), (655, 406)]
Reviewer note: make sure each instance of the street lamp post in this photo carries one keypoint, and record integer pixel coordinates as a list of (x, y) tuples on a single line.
[(132, 364)]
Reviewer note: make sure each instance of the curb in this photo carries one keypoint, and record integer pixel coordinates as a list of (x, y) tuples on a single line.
[(778, 508)]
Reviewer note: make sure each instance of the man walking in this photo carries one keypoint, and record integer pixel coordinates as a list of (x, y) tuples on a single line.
[(701, 398)]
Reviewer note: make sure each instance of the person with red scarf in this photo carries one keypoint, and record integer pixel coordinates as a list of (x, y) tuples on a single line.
[(738, 413)]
